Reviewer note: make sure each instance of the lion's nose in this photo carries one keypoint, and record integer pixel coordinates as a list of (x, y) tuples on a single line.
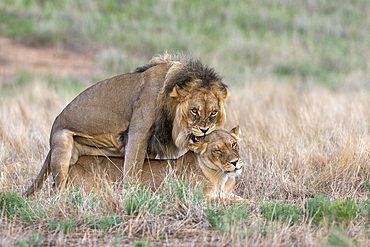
[(234, 162), (204, 130)]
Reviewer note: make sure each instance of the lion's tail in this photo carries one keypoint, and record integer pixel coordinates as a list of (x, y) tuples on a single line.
[(39, 181)]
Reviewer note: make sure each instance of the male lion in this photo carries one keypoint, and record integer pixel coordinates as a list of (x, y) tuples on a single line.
[(214, 160), (160, 106)]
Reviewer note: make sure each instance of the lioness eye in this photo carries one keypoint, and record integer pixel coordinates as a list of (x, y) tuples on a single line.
[(235, 145), (194, 111), (217, 151)]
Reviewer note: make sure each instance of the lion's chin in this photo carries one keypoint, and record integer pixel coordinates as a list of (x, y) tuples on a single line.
[(199, 133), (195, 138)]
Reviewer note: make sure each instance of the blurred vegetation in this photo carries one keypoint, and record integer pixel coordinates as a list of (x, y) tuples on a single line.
[(13, 205), (278, 210), (226, 220), (33, 240), (301, 42)]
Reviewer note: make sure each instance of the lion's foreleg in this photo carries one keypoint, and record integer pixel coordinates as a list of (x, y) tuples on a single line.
[(61, 155), (134, 156), (142, 119), (138, 136)]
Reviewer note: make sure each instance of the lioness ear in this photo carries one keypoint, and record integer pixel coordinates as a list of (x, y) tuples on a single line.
[(178, 92), (235, 132), (198, 147)]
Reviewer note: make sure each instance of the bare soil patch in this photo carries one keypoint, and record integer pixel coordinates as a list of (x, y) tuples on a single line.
[(15, 56)]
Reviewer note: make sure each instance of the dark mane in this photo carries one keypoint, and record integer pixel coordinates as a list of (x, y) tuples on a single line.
[(160, 142), (194, 69), (144, 67), (161, 139)]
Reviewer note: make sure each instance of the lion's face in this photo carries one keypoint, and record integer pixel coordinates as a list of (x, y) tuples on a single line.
[(221, 150), (199, 111), (203, 113)]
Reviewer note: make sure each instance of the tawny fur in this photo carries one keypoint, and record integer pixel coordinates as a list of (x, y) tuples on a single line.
[(145, 104), (209, 161)]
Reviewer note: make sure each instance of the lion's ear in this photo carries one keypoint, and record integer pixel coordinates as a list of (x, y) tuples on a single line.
[(198, 148), (235, 132), (221, 92), (178, 92)]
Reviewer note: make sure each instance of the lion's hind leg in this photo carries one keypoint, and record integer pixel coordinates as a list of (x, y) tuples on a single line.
[(61, 157)]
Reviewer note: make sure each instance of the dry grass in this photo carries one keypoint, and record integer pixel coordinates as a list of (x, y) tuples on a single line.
[(298, 139), (302, 143), (295, 143)]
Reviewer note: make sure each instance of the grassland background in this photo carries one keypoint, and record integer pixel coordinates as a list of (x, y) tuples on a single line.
[(299, 77)]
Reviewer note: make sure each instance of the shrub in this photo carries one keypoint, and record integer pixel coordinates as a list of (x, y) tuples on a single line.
[(288, 214), (33, 240), (338, 238), (365, 208), (14, 205), (179, 190), (75, 197), (140, 198), (143, 243), (64, 225), (105, 223), (367, 185), (226, 219), (321, 208), (316, 208), (344, 210)]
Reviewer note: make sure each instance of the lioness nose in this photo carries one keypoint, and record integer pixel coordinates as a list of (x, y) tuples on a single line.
[(234, 162), (204, 130)]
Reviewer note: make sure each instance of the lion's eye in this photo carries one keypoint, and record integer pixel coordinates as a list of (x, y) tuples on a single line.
[(214, 113), (217, 151), (194, 111), (234, 145)]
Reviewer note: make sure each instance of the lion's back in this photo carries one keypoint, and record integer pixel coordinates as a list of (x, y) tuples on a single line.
[(106, 106)]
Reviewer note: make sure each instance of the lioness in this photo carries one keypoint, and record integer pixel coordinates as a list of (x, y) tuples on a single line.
[(160, 106), (213, 160)]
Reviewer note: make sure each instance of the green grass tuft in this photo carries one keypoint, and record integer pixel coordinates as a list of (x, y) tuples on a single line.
[(141, 198), (317, 208), (33, 240), (75, 197), (320, 208), (367, 185), (226, 219), (13, 205), (105, 223), (66, 226), (277, 210), (344, 210), (143, 243), (365, 208), (338, 238), (177, 190)]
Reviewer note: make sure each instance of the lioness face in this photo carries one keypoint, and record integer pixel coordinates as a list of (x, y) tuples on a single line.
[(221, 150)]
